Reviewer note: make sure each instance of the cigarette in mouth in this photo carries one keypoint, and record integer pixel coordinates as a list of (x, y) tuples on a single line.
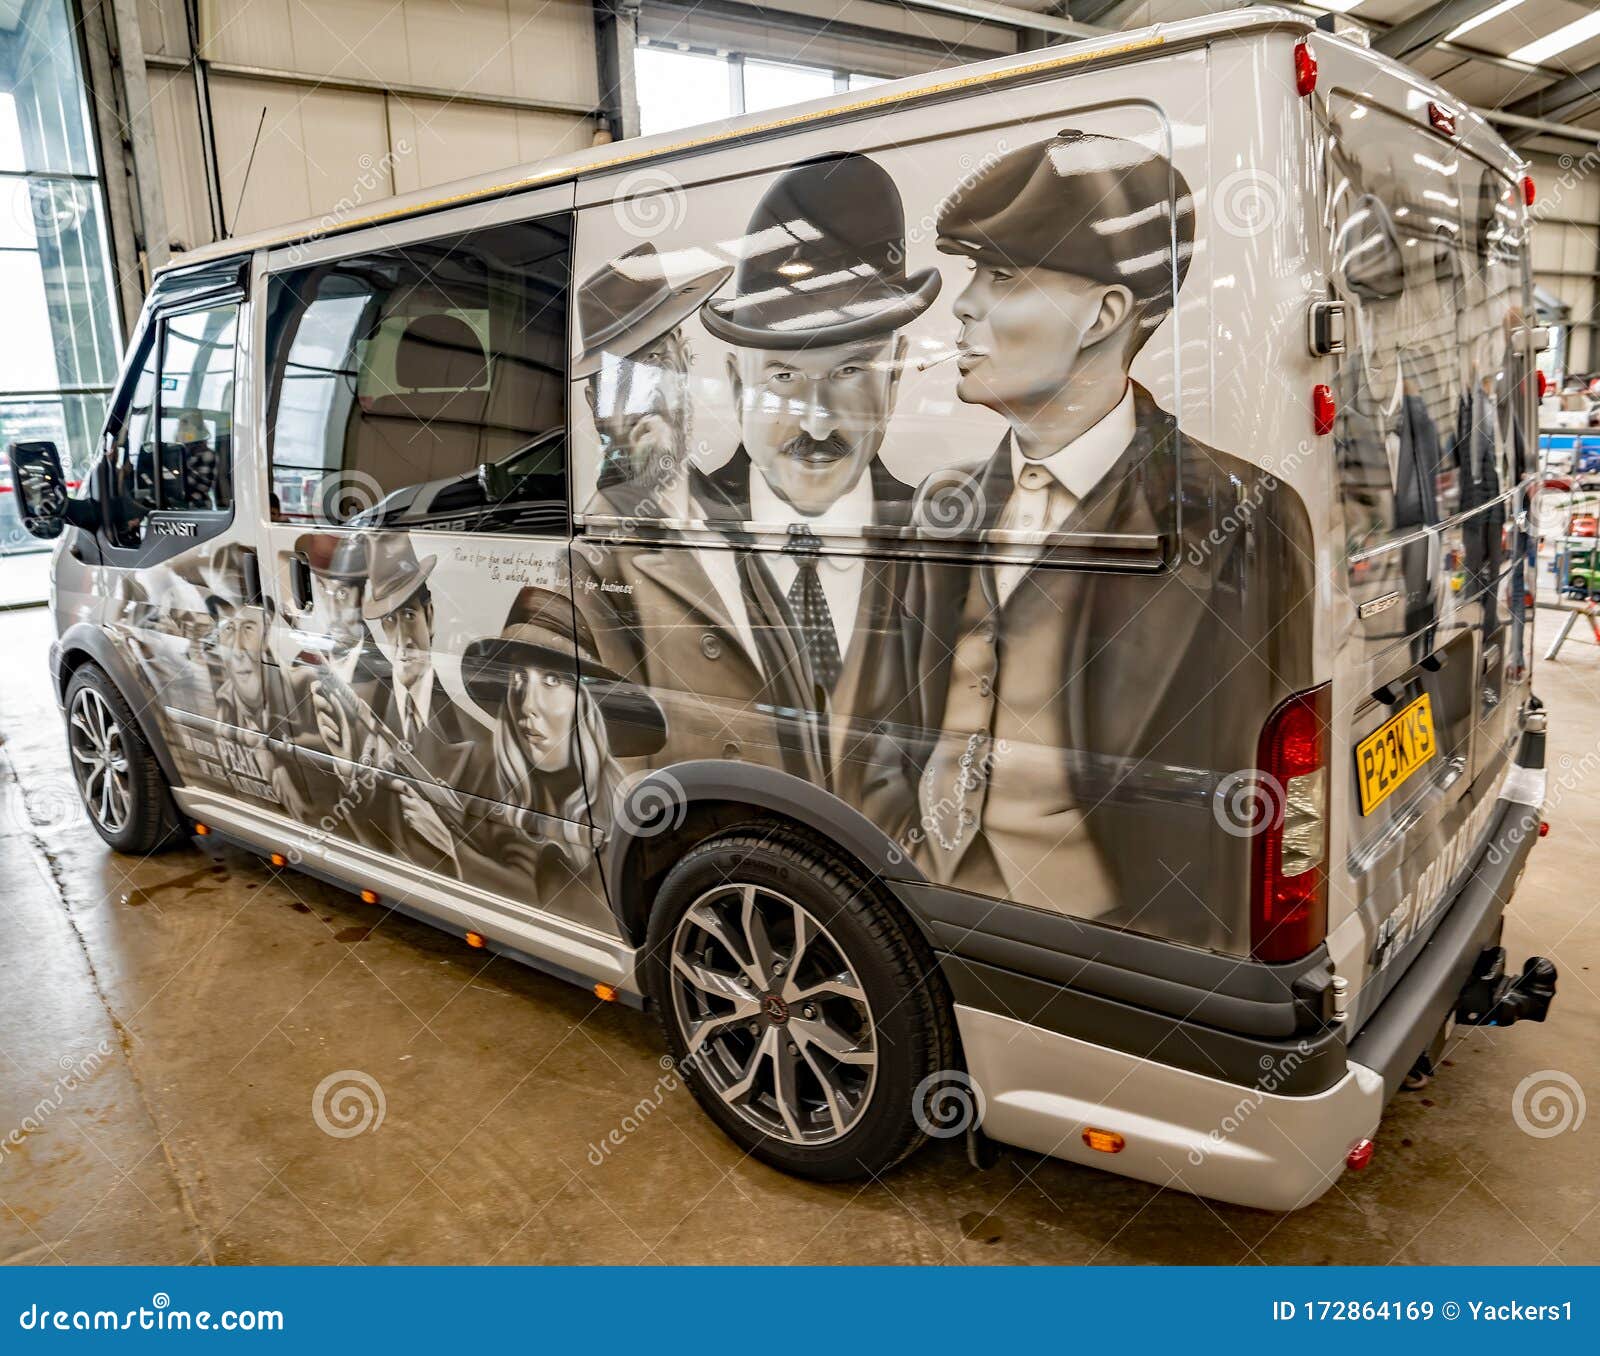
[(923, 364)]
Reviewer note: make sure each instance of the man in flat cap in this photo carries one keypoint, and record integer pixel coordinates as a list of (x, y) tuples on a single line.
[(818, 301), (705, 631), (1054, 697)]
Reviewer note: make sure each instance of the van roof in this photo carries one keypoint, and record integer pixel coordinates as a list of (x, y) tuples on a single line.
[(1473, 130)]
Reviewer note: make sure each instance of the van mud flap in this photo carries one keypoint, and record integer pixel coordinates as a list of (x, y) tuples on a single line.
[(1492, 998)]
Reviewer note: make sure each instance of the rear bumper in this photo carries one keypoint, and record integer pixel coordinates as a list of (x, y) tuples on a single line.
[(1275, 1141)]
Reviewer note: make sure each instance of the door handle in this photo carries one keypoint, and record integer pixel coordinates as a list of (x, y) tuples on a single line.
[(300, 581)]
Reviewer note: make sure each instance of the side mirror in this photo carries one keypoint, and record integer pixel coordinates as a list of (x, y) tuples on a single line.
[(41, 489)]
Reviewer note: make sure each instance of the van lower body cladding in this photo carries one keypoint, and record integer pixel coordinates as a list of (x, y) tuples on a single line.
[(1041, 1090), (1198, 1134)]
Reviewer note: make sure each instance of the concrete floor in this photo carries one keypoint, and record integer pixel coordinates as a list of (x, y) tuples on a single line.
[(165, 1026)]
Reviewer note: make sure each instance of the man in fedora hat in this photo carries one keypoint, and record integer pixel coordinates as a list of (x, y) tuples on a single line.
[(411, 713), (815, 325), (1053, 699), (635, 372), (706, 630), (350, 667)]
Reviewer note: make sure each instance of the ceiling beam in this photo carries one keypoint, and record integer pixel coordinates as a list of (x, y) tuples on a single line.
[(1420, 32), (1010, 15), (1566, 98)]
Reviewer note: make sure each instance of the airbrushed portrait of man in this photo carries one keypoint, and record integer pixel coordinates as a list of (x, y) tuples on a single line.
[(416, 731), (344, 670), (635, 369), (1076, 246), (704, 629), (814, 318)]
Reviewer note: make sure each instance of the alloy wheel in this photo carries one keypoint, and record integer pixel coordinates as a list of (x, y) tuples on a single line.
[(775, 1019), (100, 760)]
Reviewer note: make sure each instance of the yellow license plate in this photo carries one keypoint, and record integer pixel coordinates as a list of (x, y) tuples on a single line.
[(1392, 752)]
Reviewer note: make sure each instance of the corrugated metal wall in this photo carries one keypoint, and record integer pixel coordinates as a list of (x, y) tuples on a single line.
[(359, 99)]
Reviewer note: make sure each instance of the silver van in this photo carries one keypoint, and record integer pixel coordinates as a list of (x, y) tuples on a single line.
[(994, 605)]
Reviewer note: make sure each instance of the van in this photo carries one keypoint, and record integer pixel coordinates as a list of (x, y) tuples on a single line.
[(996, 605)]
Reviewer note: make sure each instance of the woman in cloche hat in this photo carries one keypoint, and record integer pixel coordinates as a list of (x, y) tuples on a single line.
[(556, 743)]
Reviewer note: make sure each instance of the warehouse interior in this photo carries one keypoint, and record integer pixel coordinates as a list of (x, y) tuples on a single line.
[(194, 1001)]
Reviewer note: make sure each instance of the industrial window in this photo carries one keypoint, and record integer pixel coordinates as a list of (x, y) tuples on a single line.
[(424, 386)]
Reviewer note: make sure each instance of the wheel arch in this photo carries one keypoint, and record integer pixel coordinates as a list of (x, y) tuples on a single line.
[(674, 808), (86, 643)]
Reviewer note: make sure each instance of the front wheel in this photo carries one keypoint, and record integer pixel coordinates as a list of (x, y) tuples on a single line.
[(117, 775), (804, 1014)]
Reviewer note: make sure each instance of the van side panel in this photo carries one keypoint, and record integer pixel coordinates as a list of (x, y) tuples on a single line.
[(891, 488)]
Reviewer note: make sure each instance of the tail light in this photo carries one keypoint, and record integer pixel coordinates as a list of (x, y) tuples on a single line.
[(1289, 873), (1529, 191)]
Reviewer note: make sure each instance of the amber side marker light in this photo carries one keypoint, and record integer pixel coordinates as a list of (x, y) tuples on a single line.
[(369, 896), (202, 830), (1104, 1141), (475, 939), (278, 859), (605, 993)]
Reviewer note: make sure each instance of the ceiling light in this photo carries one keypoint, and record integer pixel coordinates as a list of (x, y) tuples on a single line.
[(1493, 12), (1542, 49)]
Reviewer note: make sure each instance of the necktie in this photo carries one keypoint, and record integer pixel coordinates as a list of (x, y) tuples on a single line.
[(410, 713), (810, 606)]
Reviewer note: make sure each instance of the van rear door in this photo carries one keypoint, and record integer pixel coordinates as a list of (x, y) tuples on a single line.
[(1428, 246)]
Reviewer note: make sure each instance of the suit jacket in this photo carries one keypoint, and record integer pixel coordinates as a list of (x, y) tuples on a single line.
[(868, 710), (1165, 677), (660, 620)]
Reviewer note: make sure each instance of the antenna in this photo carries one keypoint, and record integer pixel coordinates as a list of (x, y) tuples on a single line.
[(249, 165)]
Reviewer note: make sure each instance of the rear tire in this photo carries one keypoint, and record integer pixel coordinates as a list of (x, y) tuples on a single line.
[(122, 786), (799, 1005)]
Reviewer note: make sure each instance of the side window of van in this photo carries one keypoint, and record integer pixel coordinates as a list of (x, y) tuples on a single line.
[(173, 448), (425, 386)]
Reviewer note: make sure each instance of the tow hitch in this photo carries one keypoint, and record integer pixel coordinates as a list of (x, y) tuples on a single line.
[(1492, 998)]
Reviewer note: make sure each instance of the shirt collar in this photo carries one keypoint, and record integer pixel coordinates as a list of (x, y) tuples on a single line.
[(846, 516), (421, 693), (1084, 462)]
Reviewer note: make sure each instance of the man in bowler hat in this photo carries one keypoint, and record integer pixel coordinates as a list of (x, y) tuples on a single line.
[(1054, 698), (815, 326), (704, 630)]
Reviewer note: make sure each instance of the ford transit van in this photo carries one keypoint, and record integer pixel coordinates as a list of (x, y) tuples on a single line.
[(994, 604)]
